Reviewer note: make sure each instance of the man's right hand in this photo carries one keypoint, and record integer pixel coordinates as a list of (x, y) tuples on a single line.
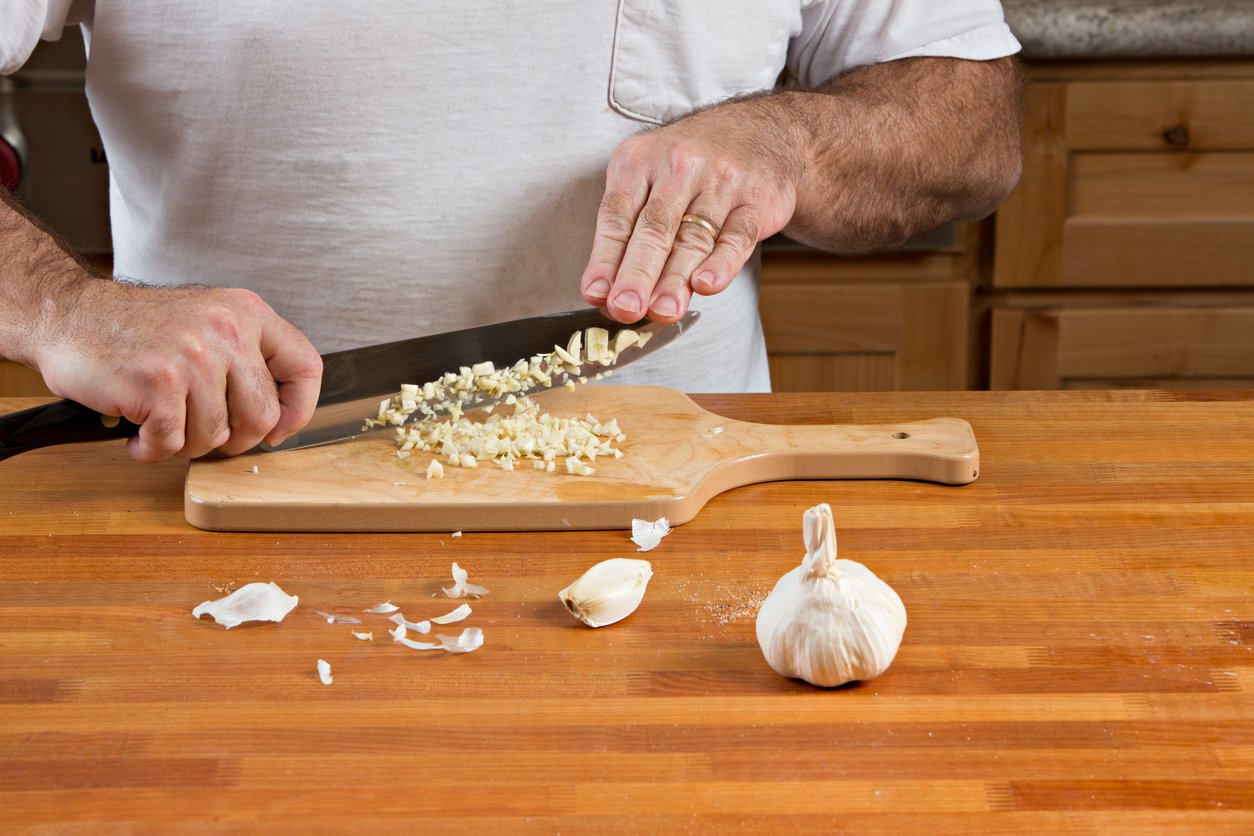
[(197, 369)]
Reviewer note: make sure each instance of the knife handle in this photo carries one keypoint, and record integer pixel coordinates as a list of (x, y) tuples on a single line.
[(61, 422)]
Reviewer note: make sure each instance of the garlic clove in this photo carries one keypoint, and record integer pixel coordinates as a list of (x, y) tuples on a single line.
[(608, 592), (830, 621)]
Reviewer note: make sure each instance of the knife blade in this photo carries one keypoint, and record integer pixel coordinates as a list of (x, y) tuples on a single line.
[(354, 381)]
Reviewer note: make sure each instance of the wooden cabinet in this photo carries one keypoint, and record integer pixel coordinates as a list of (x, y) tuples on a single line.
[(19, 381), (896, 322), (1171, 340), (1126, 255), (1124, 258)]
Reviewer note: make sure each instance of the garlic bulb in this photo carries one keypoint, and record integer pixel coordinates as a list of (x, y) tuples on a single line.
[(830, 621), (608, 592)]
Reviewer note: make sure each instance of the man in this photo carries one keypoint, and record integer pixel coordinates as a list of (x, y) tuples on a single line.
[(386, 170)]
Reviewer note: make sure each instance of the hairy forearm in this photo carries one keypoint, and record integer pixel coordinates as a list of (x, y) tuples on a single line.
[(888, 151), (39, 279)]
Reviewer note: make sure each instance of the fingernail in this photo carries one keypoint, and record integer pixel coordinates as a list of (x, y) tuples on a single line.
[(704, 279), (628, 301), (666, 306), (598, 288)]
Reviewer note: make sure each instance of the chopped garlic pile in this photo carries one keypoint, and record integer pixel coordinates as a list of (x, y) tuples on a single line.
[(528, 433)]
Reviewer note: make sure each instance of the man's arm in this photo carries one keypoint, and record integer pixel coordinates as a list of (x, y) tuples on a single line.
[(196, 369), (860, 163)]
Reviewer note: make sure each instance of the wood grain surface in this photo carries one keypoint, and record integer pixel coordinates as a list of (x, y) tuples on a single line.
[(676, 457), (1079, 656)]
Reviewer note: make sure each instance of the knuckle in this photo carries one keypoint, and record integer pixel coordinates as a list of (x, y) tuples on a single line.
[(306, 364), (693, 240), (654, 221), (615, 226), (310, 365), (684, 157), (725, 175), (629, 154), (219, 425), (674, 281), (753, 194), (258, 419), (635, 276), (164, 437), (614, 217), (162, 379), (742, 233), (246, 299), (224, 323), (192, 351)]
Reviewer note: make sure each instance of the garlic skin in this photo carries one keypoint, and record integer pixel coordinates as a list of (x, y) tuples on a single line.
[(608, 592), (830, 621)]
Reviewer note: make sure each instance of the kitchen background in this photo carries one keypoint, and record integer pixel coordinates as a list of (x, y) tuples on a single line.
[(1125, 258)]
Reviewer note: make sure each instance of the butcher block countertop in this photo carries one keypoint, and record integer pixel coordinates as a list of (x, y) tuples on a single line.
[(1079, 655)]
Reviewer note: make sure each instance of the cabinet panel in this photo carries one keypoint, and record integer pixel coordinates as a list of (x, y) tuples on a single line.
[(1161, 115), (1124, 253), (1028, 242), (833, 372), (1051, 348), (831, 319), (17, 381), (1161, 187), (867, 337), (1094, 209)]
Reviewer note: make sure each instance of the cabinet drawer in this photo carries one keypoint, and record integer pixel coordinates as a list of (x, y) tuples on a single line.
[(1061, 348), (1133, 184), (1160, 115), (866, 337), (17, 381)]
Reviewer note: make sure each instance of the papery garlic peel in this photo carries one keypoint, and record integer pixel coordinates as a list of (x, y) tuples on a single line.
[(608, 592), (830, 621)]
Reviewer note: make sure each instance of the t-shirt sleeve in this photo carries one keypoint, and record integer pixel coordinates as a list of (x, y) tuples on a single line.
[(838, 35), (23, 23)]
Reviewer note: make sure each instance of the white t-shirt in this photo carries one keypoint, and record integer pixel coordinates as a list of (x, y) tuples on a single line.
[(384, 170)]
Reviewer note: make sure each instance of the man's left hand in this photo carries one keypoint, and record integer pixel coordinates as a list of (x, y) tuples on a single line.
[(728, 166)]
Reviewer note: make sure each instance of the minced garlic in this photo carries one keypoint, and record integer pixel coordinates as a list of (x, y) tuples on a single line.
[(529, 433)]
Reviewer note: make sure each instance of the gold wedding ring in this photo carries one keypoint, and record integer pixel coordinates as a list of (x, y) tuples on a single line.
[(704, 223)]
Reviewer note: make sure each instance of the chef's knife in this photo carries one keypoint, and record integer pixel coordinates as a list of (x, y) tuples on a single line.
[(354, 381)]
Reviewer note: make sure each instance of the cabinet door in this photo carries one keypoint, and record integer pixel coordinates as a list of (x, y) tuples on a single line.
[(1132, 183), (18, 381), (879, 336), (1175, 347)]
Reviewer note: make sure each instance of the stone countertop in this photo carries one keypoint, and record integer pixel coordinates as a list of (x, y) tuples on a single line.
[(1062, 29)]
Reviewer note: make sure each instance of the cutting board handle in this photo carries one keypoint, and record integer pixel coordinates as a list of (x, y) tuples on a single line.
[(940, 450), (60, 422)]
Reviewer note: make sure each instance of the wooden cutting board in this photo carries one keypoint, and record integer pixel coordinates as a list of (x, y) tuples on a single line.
[(676, 457)]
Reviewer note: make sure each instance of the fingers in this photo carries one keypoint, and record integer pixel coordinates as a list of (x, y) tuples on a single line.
[(207, 427), (161, 431), (294, 365), (652, 240), (693, 245), (616, 220), (737, 238), (253, 404), (645, 260), (647, 270), (198, 371)]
